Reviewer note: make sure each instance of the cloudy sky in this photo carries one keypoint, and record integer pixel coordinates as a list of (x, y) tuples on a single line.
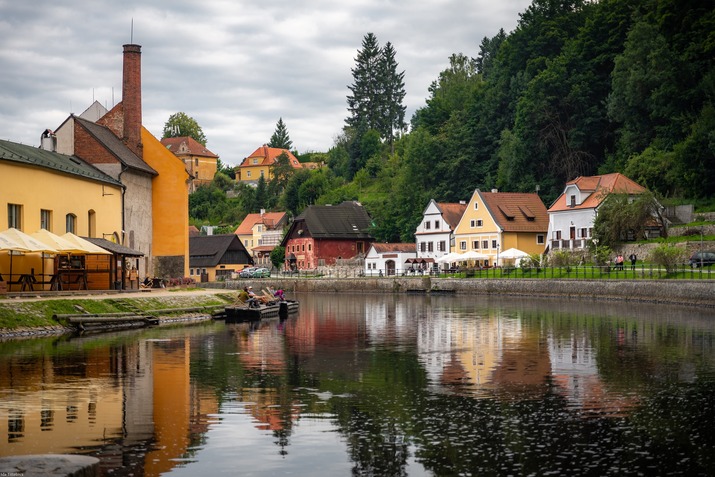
[(235, 66)]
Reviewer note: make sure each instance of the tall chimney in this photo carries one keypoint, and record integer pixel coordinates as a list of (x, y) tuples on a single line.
[(132, 98)]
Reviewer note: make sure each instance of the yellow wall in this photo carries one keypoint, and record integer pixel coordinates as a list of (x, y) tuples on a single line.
[(36, 189), (255, 172), (488, 231), (170, 217)]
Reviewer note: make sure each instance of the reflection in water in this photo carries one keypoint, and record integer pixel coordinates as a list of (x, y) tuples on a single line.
[(400, 385)]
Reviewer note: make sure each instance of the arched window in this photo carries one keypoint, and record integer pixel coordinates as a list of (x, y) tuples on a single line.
[(91, 223), (71, 223)]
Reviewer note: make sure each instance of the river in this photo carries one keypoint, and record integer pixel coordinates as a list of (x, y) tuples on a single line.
[(375, 384)]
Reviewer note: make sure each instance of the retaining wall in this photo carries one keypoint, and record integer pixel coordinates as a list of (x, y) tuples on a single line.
[(678, 292)]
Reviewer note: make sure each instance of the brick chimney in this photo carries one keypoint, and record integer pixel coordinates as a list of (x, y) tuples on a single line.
[(132, 99)]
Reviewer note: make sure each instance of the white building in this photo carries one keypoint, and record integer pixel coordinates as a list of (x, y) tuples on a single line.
[(385, 259), (572, 215), (434, 236)]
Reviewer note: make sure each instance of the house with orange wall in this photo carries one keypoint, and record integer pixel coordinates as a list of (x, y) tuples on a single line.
[(495, 221), (260, 164)]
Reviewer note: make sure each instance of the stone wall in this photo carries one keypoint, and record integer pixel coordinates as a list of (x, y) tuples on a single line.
[(678, 292)]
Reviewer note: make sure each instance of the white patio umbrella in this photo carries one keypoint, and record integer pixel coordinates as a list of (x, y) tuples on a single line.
[(61, 244), (472, 255), (28, 243), (512, 253), (86, 245), (450, 257)]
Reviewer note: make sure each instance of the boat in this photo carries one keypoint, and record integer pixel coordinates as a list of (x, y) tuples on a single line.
[(288, 306), (236, 313)]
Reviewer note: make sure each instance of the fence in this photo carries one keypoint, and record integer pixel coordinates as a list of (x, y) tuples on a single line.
[(644, 271)]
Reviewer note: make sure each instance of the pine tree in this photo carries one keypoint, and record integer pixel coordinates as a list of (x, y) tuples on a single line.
[(280, 137), (364, 102), (393, 93)]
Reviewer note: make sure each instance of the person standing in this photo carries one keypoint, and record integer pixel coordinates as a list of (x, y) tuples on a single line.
[(633, 258)]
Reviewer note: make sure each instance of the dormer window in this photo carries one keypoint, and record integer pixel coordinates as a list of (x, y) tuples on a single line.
[(573, 201)]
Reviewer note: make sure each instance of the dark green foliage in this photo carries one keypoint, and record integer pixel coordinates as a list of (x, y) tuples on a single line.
[(280, 137), (180, 124)]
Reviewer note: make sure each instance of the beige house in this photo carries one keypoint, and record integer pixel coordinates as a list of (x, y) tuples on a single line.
[(495, 221), (200, 163), (260, 164)]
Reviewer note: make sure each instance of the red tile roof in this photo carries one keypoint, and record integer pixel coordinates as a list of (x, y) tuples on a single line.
[(269, 219), (599, 187), (186, 145), (267, 157), (394, 247), (517, 211), (452, 212)]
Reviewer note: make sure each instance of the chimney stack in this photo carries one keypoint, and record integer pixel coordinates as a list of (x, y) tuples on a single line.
[(132, 99)]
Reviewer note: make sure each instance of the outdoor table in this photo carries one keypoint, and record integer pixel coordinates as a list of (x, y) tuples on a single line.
[(27, 281)]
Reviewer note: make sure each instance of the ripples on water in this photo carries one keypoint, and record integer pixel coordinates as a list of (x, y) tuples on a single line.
[(379, 385)]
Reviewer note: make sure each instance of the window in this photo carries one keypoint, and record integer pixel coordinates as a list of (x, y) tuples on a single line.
[(191, 271), (573, 201), (485, 244), (558, 234), (14, 216), (91, 223), (436, 224), (463, 245), (494, 244), (196, 162), (475, 245), (442, 246), (310, 247), (540, 239), (584, 232), (476, 205), (70, 223), (248, 173), (423, 247), (480, 222), (430, 246), (428, 224), (46, 220), (472, 223), (255, 161)]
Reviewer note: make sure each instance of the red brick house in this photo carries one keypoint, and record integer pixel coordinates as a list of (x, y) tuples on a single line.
[(323, 234)]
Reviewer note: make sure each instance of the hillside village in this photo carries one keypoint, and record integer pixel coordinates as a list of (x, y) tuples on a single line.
[(108, 181)]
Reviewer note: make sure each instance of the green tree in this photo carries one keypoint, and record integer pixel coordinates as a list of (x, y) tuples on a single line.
[(180, 125), (278, 255), (364, 102), (280, 137), (621, 215), (393, 95)]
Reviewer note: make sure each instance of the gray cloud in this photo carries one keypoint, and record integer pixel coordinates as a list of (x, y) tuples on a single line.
[(234, 66)]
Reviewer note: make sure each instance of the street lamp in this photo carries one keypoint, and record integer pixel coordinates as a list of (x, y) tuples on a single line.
[(497, 264)]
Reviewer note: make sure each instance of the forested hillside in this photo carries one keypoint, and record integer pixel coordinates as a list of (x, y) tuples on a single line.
[(578, 88)]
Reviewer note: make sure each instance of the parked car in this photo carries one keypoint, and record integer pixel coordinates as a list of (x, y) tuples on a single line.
[(705, 258), (247, 272), (261, 273)]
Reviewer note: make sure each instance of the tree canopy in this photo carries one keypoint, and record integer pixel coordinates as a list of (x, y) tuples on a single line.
[(280, 137), (180, 124)]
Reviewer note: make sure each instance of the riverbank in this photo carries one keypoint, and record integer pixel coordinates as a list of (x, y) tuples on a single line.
[(31, 314), (699, 293)]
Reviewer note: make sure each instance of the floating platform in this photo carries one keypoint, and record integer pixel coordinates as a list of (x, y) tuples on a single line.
[(288, 307), (238, 313)]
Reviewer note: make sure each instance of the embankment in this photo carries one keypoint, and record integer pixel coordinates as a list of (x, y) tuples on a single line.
[(699, 293)]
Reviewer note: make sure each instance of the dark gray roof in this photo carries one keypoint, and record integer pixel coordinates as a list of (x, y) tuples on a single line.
[(110, 246), (348, 220), (34, 156), (210, 250), (115, 145)]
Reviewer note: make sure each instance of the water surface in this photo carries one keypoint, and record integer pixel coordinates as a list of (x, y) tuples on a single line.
[(378, 385)]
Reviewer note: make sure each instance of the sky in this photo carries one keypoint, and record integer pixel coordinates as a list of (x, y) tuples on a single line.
[(235, 66)]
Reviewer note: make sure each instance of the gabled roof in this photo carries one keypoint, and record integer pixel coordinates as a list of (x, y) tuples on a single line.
[(394, 247), (113, 144), (270, 219), (185, 146), (208, 250), (516, 211), (348, 220), (193, 231), (598, 188), (267, 156), (34, 156), (452, 212)]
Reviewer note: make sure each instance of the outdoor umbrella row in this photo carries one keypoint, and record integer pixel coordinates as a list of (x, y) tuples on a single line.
[(45, 242)]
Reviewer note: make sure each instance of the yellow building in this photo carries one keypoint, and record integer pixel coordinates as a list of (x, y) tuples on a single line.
[(497, 221), (200, 163), (261, 162), (42, 189)]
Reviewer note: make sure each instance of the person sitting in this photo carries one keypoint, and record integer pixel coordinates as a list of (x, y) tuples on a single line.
[(279, 294), (252, 301), (243, 295)]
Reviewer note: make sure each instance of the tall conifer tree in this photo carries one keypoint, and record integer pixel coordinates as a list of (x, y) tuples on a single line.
[(280, 137)]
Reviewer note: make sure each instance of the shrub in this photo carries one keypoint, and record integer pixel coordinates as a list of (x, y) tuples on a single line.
[(667, 256)]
